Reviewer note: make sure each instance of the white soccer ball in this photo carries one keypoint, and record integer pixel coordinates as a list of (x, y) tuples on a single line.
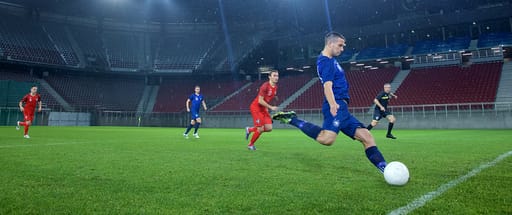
[(396, 173)]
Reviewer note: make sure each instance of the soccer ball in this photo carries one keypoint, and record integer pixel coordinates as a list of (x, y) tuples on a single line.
[(396, 173)]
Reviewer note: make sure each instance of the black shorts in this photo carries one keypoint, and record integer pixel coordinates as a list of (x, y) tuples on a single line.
[(378, 114)]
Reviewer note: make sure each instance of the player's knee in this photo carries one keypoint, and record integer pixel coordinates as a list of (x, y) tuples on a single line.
[(392, 119), (192, 122), (326, 140), (261, 129), (267, 128), (28, 122), (374, 123)]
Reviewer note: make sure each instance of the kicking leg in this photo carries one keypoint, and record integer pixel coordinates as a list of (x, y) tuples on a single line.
[(372, 152)]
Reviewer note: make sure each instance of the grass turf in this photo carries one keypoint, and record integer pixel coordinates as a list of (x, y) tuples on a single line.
[(119, 170)]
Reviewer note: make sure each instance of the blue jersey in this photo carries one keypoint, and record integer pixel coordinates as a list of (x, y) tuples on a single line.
[(329, 69), (196, 101)]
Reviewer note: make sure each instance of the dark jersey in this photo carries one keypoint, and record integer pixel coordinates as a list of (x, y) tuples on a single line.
[(383, 98), (196, 101), (329, 69)]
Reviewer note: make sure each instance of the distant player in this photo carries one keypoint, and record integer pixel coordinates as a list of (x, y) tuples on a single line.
[(195, 120), (28, 107), (335, 106), (381, 110), (259, 109)]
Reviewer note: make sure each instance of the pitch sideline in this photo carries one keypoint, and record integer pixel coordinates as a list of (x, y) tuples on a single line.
[(419, 202)]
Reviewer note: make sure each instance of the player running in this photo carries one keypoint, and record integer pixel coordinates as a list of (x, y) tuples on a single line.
[(259, 109), (195, 120), (335, 105), (28, 107), (381, 110)]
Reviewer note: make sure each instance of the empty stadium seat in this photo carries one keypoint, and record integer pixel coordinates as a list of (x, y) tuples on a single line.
[(364, 86), (450, 85)]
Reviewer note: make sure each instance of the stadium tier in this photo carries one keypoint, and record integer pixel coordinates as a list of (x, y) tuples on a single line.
[(364, 86), (287, 86), (123, 49), (173, 93), (494, 39), (60, 38), (374, 53), (91, 44), (20, 85), (437, 46), (180, 51), (450, 85), (26, 41), (346, 55), (99, 93)]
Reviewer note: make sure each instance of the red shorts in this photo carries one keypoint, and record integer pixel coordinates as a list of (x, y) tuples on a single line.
[(28, 115), (260, 117)]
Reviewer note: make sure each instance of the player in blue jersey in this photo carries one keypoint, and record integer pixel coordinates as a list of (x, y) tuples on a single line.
[(335, 106), (195, 120)]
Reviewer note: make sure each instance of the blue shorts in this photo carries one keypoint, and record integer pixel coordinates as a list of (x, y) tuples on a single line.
[(343, 121), (194, 115)]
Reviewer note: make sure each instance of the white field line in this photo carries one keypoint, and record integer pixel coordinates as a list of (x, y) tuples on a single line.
[(48, 144), (419, 202)]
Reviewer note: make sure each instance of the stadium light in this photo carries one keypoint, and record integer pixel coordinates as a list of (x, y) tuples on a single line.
[(384, 62), (360, 64)]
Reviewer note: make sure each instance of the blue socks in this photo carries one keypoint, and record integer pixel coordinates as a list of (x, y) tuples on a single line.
[(196, 127), (307, 128), (188, 128), (376, 158)]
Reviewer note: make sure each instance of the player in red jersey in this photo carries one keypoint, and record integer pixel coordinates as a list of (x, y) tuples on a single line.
[(30, 100), (259, 109)]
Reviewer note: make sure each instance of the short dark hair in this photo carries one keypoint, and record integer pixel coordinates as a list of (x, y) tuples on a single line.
[(197, 86), (332, 35), (272, 71)]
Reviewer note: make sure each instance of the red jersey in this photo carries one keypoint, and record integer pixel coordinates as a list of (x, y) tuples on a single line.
[(268, 92), (31, 102)]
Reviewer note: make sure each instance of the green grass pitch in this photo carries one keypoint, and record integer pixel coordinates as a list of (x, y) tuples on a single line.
[(119, 170)]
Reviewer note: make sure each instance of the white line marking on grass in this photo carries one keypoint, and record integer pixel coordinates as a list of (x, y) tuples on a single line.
[(419, 202), (48, 144)]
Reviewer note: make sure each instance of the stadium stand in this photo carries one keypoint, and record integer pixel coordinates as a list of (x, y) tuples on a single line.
[(346, 55), (123, 49), (436, 46), (173, 93), (91, 45), (494, 39), (450, 85), (364, 86), (99, 93), (287, 86), (243, 99), (181, 51), (21, 83), (375, 53), (26, 41), (59, 37)]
